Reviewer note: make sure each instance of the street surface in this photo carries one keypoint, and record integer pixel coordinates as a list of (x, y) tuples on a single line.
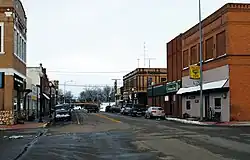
[(108, 136)]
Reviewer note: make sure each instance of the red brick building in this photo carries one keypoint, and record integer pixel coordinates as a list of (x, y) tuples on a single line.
[(226, 64), (174, 68), (13, 29)]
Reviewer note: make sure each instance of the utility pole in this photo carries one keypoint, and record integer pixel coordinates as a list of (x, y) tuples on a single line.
[(149, 59), (144, 53), (201, 58), (115, 89), (138, 63)]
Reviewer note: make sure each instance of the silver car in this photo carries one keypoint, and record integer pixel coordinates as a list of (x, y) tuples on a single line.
[(156, 112)]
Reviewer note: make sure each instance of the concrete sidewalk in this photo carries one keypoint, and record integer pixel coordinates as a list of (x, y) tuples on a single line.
[(27, 125), (229, 124)]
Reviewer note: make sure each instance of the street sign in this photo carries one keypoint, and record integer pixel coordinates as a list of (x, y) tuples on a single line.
[(194, 72)]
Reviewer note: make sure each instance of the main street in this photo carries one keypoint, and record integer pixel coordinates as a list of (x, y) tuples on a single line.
[(97, 136)]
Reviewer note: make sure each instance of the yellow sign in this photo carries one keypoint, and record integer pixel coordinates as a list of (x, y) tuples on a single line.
[(33, 97), (194, 72)]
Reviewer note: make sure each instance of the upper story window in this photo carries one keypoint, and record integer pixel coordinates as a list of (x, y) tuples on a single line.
[(220, 43), (1, 37), (194, 55), (209, 48), (185, 59), (19, 46)]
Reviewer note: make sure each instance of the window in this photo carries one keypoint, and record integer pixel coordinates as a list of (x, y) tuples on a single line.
[(163, 79), (185, 59), (2, 37), (194, 55), (220, 44), (217, 103), (19, 46), (188, 105), (209, 48)]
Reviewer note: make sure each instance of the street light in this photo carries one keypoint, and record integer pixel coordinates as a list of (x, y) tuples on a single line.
[(41, 92), (132, 89), (50, 97), (152, 91), (64, 90), (201, 58)]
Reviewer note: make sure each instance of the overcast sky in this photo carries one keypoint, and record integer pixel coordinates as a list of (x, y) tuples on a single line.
[(105, 35)]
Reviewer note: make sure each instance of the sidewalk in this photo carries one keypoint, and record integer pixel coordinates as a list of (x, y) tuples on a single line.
[(27, 125), (229, 124)]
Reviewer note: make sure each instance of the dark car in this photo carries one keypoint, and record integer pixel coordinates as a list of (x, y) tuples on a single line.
[(126, 109), (115, 109), (91, 108), (62, 115), (138, 110), (107, 109), (64, 106)]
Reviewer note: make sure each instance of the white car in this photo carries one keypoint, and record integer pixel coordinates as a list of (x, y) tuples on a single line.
[(156, 112)]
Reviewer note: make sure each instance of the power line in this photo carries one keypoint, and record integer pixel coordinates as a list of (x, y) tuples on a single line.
[(88, 85), (85, 72)]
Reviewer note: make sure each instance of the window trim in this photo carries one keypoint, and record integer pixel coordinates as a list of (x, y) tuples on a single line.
[(2, 38)]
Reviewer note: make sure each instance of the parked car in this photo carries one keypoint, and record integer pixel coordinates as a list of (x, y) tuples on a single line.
[(155, 112), (115, 109), (138, 110), (107, 109), (62, 115), (127, 109)]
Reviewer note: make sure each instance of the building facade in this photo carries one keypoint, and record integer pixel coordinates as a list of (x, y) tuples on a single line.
[(35, 76), (13, 29), (136, 83), (226, 59)]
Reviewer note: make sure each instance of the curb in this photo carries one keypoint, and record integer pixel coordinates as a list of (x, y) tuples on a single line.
[(211, 125)]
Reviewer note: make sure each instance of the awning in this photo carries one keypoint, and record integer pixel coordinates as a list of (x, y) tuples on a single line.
[(206, 86), (46, 96)]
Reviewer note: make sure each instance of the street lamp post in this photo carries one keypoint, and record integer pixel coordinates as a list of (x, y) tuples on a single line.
[(152, 90), (50, 102), (37, 103), (41, 92), (64, 90), (201, 58), (133, 95)]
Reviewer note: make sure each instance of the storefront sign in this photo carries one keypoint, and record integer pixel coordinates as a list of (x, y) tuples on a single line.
[(1, 79), (173, 86), (194, 72)]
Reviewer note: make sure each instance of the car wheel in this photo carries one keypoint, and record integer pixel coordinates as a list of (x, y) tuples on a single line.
[(145, 116)]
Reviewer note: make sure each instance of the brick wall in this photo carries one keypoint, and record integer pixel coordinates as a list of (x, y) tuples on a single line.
[(240, 87)]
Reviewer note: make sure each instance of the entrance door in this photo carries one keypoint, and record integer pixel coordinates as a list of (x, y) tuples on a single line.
[(207, 106), (171, 104)]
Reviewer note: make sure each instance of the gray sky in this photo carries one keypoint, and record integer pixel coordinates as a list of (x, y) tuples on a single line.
[(105, 35)]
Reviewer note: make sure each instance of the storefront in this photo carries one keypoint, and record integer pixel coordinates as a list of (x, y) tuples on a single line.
[(173, 101), (216, 98)]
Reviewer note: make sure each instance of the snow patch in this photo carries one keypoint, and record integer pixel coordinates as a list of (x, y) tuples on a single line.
[(15, 137), (186, 121)]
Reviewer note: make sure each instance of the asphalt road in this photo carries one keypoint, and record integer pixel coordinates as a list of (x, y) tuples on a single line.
[(104, 136)]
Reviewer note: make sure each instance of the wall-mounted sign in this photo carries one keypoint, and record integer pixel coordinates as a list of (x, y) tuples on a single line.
[(194, 72)]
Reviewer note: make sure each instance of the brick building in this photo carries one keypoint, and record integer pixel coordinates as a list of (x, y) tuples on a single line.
[(226, 64), (13, 29), (164, 93), (138, 81)]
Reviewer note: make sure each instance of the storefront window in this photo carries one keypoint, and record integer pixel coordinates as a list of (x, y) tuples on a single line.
[(217, 103), (188, 105)]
